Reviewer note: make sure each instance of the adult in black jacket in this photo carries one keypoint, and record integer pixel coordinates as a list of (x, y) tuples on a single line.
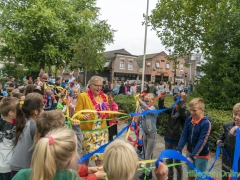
[(176, 120)]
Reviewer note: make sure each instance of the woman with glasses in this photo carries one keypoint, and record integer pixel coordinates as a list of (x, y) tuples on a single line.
[(95, 134)]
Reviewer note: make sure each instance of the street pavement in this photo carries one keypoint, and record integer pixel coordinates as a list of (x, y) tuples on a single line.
[(160, 147)]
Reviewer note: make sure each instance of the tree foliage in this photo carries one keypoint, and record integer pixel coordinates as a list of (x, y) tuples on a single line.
[(214, 28), (220, 86), (184, 25), (43, 31), (90, 47)]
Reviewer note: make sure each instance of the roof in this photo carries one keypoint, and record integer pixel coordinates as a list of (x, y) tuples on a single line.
[(148, 56), (110, 55)]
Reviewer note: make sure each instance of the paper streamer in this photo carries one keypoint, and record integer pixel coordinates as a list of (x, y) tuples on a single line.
[(216, 156), (173, 154), (155, 111), (101, 148), (236, 156)]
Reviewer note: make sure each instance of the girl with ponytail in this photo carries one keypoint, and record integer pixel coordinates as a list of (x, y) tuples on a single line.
[(52, 157), (27, 112)]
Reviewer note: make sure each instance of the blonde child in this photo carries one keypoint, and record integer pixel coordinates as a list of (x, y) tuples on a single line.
[(7, 134), (149, 130), (113, 106), (73, 100), (50, 120), (52, 157), (196, 133), (127, 162), (27, 112), (229, 138)]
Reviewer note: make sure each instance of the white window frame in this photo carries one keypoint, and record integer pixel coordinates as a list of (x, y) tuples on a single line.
[(157, 64), (122, 64), (181, 67), (130, 65), (167, 66)]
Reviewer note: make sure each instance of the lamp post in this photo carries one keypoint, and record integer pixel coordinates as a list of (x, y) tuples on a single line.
[(145, 44)]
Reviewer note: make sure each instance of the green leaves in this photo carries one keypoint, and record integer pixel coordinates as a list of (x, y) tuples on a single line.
[(213, 27), (41, 32)]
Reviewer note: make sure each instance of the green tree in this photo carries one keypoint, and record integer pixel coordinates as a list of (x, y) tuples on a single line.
[(13, 69), (213, 27), (90, 47), (220, 86), (42, 32), (185, 25)]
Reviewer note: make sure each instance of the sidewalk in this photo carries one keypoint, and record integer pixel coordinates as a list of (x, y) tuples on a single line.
[(159, 148)]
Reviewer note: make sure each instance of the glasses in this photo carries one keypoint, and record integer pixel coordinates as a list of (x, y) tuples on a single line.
[(99, 86), (147, 101)]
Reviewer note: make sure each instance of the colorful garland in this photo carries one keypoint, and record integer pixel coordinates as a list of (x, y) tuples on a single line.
[(97, 106)]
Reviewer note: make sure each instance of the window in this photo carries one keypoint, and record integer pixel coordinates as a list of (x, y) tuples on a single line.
[(158, 64), (122, 65), (167, 66), (130, 65), (148, 64), (198, 60), (181, 67), (162, 60)]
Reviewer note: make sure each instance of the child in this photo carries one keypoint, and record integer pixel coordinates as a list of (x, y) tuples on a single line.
[(112, 131), (7, 134), (73, 100), (27, 113), (140, 136), (124, 156), (50, 120), (196, 134), (52, 157), (176, 119), (127, 162), (229, 137), (148, 125), (49, 101)]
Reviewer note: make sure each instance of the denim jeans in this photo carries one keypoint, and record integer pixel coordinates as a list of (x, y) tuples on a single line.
[(5, 176), (171, 161), (149, 142)]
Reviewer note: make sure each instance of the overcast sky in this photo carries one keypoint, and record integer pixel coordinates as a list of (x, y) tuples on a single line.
[(126, 16)]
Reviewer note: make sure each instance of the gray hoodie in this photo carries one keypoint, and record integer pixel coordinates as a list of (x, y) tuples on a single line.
[(148, 122)]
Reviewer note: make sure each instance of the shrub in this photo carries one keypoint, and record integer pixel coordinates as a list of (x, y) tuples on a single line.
[(218, 117), (125, 103)]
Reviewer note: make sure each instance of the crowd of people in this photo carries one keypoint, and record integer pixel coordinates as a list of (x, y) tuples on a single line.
[(41, 136)]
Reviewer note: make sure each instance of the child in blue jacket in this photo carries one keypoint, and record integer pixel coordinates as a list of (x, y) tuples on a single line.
[(196, 133)]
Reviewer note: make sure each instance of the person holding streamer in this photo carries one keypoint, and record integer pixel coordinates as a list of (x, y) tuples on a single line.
[(127, 162), (113, 106), (95, 134), (176, 119), (196, 133), (52, 158), (229, 138), (148, 126)]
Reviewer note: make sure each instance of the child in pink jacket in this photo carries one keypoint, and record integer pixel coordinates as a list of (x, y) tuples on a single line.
[(112, 131)]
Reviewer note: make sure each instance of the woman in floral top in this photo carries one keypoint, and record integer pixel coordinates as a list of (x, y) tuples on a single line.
[(95, 134)]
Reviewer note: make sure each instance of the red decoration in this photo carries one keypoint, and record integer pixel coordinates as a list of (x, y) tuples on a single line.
[(96, 106)]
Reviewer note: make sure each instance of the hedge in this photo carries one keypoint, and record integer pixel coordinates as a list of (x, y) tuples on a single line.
[(218, 117)]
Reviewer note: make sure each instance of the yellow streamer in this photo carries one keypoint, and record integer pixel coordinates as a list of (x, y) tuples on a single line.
[(147, 161), (128, 132), (94, 111), (137, 103)]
